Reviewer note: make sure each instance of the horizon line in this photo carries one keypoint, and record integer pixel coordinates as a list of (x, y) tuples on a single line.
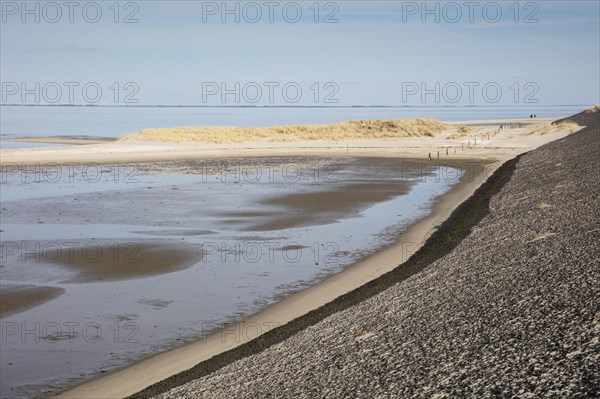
[(284, 106)]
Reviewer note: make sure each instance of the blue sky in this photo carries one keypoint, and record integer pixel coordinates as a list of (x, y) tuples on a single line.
[(376, 53)]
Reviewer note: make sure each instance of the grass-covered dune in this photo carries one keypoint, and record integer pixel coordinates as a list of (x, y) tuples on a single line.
[(358, 129), (566, 125), (588, 117)]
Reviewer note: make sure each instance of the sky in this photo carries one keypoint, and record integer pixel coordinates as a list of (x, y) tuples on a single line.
[(328, 53)]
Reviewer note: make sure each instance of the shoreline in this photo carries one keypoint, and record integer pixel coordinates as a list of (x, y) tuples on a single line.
[(157, 367), (61, 140), (487, 289), (500, 145)]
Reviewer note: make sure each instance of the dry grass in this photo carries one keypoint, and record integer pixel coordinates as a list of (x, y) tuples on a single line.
[(593, 108), (540, 131), (461, 132), (360, 129)]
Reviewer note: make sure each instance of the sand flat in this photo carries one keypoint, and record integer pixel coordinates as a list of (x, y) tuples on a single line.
[(153, 369), (493, 148), (303, 209), (131, 260), (18, 298), (202, 293)]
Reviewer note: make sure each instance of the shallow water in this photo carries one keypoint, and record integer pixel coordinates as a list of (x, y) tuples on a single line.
[(113, 311)]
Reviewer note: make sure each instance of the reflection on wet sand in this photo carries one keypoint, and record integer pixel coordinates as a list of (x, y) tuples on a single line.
[(323, 207), (18, 298), (186, 245), (120, 262)]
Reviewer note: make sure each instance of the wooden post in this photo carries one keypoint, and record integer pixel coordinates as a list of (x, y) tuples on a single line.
[(430, 156), (446, 150), (438, 155)]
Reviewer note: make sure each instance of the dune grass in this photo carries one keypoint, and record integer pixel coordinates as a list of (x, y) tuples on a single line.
[(593, 108), (462, 131), (540, 131), (358, 129)]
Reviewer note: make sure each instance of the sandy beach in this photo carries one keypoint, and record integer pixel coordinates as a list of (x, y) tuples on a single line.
[(299, 200), (488, 142), (480, 152)]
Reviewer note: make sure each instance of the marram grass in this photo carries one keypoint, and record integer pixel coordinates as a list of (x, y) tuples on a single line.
[(593, 108), (571, 126), (359, 129)]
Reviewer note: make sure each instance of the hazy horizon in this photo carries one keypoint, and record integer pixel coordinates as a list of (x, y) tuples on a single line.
[(313, 53)]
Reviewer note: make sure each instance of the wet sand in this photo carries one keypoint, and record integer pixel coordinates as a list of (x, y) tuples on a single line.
[(18, 298), (327, 206), (93, 263), (357, 184), (489, 156), (177, 207), (130, 260), (146, 372)]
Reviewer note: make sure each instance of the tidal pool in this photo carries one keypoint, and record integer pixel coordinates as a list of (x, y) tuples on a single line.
[(106, 265)]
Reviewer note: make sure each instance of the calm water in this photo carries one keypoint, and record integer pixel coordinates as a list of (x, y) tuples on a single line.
[(21, 121), (241, 265), (116, 322)]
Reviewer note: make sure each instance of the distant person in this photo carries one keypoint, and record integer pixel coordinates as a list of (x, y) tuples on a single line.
[(531, 116), (535, 116)]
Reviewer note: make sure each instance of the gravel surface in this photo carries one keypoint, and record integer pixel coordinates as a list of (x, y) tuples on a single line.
[(512, 311)]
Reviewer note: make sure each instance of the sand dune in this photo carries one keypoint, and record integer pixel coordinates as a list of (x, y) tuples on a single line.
[(415, 138), (360, 129)]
